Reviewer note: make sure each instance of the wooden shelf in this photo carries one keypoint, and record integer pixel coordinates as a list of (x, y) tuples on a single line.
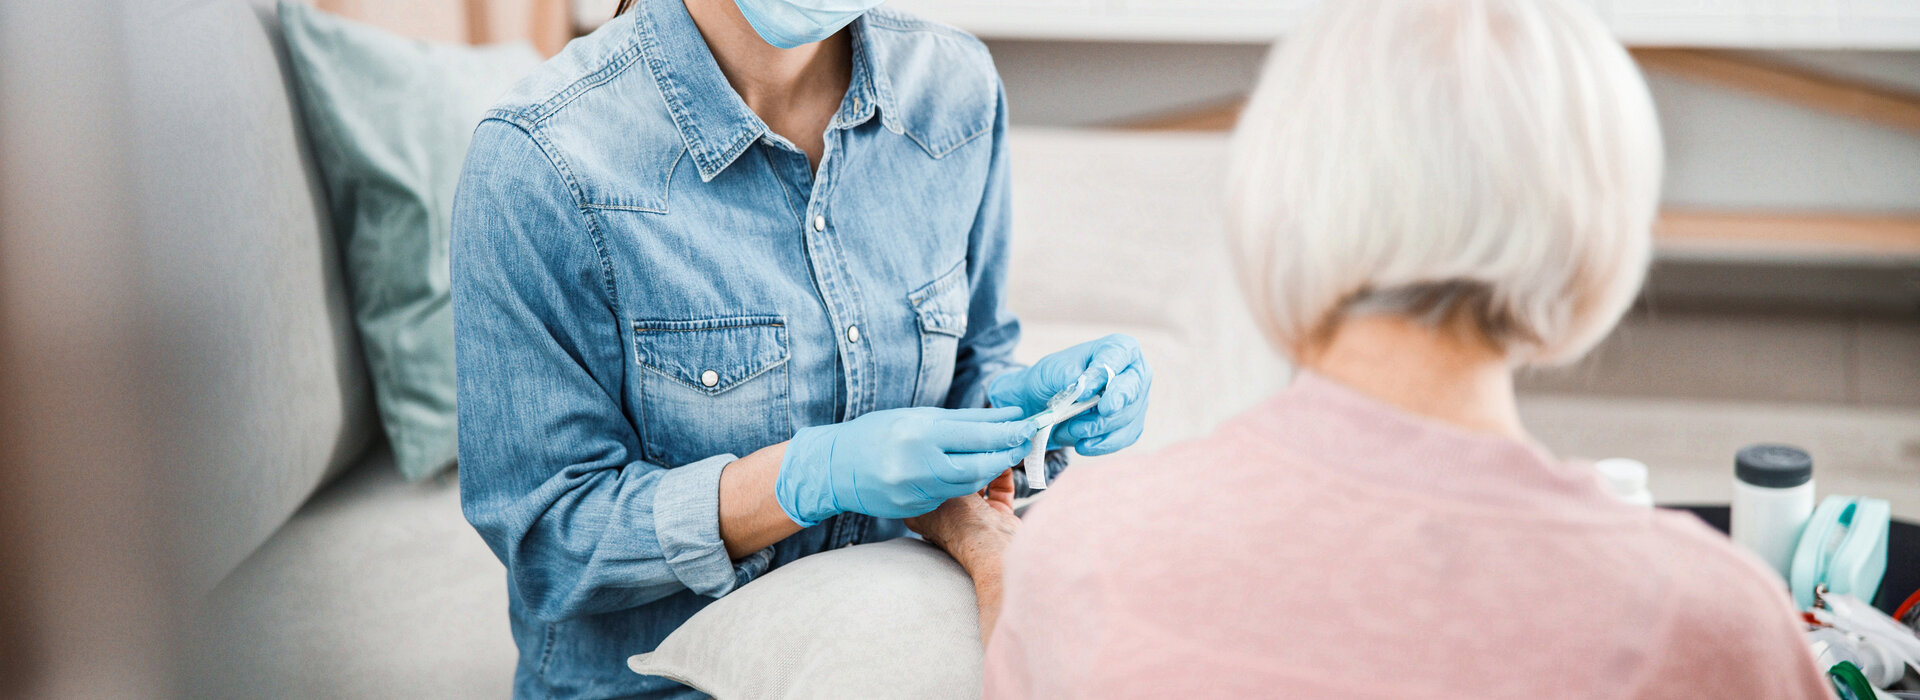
[(1745, 236), (1788, 237), (1826, 93), (1834, 95), (1214, 116), (1752, 24)]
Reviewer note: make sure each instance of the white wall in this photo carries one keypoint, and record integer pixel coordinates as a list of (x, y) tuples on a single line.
[(1728, 149), (1725, 149), (1074, 83)]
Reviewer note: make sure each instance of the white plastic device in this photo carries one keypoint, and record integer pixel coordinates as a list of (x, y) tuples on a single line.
[(1036, 462), (1059, 408)]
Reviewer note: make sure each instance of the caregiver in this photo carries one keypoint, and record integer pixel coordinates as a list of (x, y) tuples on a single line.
[(729, 289)]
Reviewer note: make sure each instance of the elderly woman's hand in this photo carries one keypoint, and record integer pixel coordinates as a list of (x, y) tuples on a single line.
[(973, 527), (976, 529)]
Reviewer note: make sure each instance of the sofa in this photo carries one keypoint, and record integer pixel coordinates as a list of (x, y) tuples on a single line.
[(321, 573)]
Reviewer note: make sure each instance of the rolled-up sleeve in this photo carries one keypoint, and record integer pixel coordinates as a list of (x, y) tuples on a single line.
[(550, 467), (986, 351), (687, 518)]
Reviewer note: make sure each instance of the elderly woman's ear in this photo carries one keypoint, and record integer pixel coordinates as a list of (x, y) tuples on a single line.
[(1510, 182)]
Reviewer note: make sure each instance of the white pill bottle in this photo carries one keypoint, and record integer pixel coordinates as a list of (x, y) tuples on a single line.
[(1626, 479), (1772, 499)]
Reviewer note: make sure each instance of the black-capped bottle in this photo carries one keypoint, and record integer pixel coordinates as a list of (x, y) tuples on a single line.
[(1772, 500)]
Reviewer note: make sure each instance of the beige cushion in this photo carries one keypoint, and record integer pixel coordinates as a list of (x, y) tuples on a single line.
[(894, 619)]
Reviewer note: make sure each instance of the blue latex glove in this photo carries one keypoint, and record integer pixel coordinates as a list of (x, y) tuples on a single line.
[(898, 463), (1115, 422)]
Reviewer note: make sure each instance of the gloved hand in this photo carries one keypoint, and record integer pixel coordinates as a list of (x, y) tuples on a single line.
[(1115, 422), (897, 463)]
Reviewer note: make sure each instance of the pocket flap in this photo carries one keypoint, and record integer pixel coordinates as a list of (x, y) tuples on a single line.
[(712, 355), (942, 304)]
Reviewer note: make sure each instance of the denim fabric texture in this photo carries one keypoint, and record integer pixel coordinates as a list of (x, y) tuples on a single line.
[(648, 283)]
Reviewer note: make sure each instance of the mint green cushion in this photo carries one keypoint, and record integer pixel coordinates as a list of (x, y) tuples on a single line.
[(390, 119)]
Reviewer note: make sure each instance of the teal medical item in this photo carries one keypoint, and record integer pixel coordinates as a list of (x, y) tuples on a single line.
[(1844, 547), (791, 23), (898, 463)]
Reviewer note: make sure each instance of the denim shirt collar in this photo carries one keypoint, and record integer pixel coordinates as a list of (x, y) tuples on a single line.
[(715, 123)]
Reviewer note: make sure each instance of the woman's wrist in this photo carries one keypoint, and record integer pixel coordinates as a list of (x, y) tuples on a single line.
[(976, 532), (983, 558), (981, 549), (751, 517), (978, 546)]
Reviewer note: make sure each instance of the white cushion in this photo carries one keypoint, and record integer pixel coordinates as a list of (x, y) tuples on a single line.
[(894, 619)]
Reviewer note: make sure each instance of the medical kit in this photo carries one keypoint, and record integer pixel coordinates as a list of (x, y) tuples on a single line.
[(1834, 558)]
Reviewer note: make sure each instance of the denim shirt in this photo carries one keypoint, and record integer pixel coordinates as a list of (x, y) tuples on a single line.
[(648, 284)]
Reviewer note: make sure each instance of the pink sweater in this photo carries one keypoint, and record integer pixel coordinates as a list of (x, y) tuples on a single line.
[(1327, 545)]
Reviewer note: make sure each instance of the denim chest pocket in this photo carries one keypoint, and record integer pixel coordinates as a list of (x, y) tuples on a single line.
[(711, 386), (941, 309)]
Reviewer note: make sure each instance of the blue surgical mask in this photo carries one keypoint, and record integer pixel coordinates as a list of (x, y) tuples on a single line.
[(790, 23)]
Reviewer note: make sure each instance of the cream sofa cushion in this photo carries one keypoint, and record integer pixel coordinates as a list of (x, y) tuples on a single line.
[(894, 619)]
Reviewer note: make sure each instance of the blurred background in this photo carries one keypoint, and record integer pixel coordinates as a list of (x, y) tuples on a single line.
[(195, 486)]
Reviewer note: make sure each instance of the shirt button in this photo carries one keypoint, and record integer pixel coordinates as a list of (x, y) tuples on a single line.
[(853, 334), (819, 223), (709, 377)]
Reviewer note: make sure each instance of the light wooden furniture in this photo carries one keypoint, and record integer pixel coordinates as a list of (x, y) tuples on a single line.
[(1747, 236), (547, 24), (1827, 93), (1803, 24), (1788, 236), (1213, 116)]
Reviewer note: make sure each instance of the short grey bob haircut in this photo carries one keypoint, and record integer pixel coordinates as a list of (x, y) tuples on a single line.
[(1497, 160)]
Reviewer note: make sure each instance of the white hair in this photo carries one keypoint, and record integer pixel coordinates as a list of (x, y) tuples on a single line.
[(1497, 160)]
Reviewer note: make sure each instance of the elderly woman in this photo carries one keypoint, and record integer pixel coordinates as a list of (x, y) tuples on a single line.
[(1426, 196)]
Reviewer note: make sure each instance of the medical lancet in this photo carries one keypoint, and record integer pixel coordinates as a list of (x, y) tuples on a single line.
[(1061, 407)]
